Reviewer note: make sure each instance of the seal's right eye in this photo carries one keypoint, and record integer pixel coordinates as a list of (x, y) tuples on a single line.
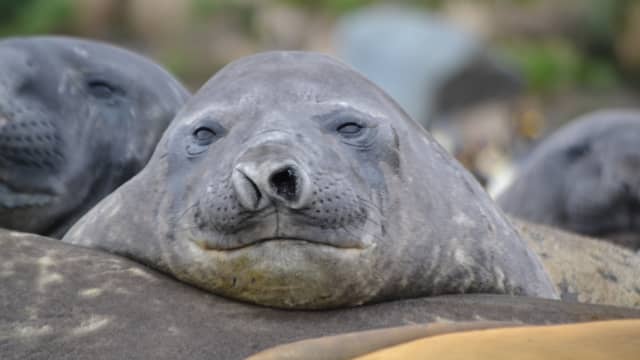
[(577, 151), (350, 129), (101, 89)]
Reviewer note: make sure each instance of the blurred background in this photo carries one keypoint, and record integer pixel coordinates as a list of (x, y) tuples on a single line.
[(489, 78)]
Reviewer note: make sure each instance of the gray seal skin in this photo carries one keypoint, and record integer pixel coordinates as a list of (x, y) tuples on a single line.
[(77, 119), (585, 178), (584, 269), (289, 180), (59, 301)]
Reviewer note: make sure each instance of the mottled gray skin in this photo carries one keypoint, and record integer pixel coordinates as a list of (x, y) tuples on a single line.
[(584, 178), (59, 301), (77, 119), (585, 269), (291, 181)]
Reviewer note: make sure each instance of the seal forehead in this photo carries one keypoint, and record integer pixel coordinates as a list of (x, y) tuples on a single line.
[(277, 78), (97, 58)]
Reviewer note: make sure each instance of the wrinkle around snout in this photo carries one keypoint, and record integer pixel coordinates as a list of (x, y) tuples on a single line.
[(271, 227)]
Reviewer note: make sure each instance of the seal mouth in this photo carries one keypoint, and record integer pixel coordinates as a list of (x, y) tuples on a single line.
[(283, 239), (12, 199)]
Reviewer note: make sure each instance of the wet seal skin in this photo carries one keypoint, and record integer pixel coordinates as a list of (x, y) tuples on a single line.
[(289, 180), (77, 119), (585, 178)]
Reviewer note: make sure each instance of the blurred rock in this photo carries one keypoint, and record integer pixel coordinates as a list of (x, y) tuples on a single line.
[(410, 53), (443, 76), (538, 19), (627, 46), (481, 80), (158, 22), (475, 17), (95, 18)]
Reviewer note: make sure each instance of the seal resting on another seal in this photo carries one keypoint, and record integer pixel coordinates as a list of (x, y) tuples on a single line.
[(60, 300), (289, 180), (77, 119), (584, 178), (585, 269)]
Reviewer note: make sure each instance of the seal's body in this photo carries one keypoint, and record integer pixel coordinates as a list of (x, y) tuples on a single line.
[(584, 178), (58, 299), (291, 181), (77, 119)]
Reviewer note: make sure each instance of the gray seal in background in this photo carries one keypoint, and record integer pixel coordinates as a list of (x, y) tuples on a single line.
[(77, 119), (584, 178), (289, 180)]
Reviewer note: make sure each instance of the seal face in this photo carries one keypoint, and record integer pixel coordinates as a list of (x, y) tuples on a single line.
[(585, 178), (289, 180), (77, 119)]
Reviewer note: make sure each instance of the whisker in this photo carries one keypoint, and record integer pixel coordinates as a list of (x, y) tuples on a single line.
[(185, 211), (368, 204), (350, 233)]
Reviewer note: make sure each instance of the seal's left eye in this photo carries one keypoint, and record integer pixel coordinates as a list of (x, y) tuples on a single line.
[(350, 128), (101, 89), (204, 134)]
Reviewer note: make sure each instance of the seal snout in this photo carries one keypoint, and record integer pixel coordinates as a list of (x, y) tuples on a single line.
[(284, 183), (258, 185)]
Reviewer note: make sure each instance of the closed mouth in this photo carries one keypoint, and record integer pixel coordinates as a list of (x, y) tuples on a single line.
[(207, 246), (12, 199)]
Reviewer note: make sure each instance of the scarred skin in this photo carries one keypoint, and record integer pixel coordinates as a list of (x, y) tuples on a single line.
[(585, 178), (61, 301), (291, 181), (77, 119)]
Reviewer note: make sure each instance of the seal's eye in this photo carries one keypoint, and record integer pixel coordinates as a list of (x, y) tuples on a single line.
[(101, 89), (204, 135), (577, 151), (349, 128)]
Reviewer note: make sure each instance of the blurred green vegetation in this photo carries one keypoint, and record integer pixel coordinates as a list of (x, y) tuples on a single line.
[(338, 7), (244, 11), (34, 16), (551, 66), (586, 59)]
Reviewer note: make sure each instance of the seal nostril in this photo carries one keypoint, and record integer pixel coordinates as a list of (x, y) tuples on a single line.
[(285, 183), (255, 188)]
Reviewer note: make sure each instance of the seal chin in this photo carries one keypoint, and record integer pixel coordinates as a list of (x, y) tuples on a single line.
[(284, 273), (11, 199)]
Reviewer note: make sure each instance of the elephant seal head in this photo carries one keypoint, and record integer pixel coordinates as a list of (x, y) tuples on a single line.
[(290, 180)]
